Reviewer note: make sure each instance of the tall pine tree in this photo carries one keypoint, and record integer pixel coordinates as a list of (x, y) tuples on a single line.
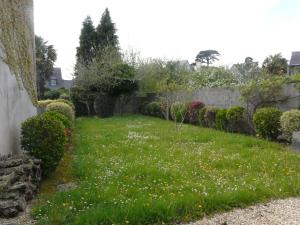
[(106, 32), (87, 48)]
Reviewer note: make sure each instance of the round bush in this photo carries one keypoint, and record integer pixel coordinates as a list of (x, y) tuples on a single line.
[(67, 102), (43, 104), (43, 137), (60, 117), (235, 118), (153, 109), (193, 111), (62, 108), (290, 122), (52, 94), (179, 111), (210, 116), (221, 120), (267, 122)]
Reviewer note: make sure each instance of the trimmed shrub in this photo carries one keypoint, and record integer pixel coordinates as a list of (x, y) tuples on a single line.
[(267, 122), (221, 120), (62, 108), (193, 111), (67, 102), (235, 118), (290, 122), (60, 117), (153, 109), (52, 94), (179, 111), (210, 116), (43, 137), (43, 104), (201, 117)]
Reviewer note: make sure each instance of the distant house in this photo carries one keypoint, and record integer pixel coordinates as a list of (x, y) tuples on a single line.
[(56, 81), (294, 66)]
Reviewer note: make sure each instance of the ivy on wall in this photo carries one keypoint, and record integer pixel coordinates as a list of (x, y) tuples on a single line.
[(17, 43)]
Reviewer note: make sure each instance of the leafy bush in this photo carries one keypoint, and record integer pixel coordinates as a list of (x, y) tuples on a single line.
[(62, 108), (153, 109), (67, 102), (60, 117), (267, 122), (221, 120), (290, 122), (179, 111), (43, 137), (235, 118), (104, 105), (52, 94), (193, 111), (201, 117), (210, 116), (43, 104)]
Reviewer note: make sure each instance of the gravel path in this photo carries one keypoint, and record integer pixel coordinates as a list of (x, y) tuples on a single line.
[(278, 212), (23, 219)]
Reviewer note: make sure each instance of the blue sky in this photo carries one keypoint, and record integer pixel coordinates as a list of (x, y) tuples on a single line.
[(177, 29)]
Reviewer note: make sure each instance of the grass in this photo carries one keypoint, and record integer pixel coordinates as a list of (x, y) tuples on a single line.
[(140, 170)]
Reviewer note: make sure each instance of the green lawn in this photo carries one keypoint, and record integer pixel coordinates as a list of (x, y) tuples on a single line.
[(140, 170)]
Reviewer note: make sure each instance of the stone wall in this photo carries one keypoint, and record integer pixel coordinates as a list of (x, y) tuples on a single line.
[(15, 104)]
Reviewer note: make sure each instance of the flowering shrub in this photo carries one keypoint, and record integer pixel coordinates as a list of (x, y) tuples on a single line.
[(290, 122), (193, 111), (267, 122)]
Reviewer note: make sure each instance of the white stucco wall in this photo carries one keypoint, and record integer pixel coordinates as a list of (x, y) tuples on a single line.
[(15, 104)]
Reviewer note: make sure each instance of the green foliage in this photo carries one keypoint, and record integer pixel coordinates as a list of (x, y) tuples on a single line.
[(44, 103), (16, 44), (153, 109), (210, 116), (104, 105), (213, 77), (275, 65), (267, 122), (193, 111), (207, 56), (202, 120), (221, 120), (168, 178), (87, 42), (236, 119), (52, 94), (43, 137), (60, 117), (45, 58), (264, 92), (290, 122), (62, 108), (244, 72), (179, 111)]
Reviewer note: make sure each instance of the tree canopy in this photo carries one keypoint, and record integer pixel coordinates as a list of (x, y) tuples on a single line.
[(275, 64), (207, 56)]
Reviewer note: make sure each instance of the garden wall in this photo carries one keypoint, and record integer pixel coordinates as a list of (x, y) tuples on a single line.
[(15, 104), (226, 98)]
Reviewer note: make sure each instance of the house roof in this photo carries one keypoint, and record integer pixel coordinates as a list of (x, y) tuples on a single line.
[(295, 59)]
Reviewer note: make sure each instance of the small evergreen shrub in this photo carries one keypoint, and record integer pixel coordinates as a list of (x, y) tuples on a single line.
[(153, 109), (267, 122), (62, 108), (104, 105), (179, 111), (193, 111), (221, 120), (235, 118), (290, 122), (67, 102), (201, 117), (43, 103), (210, 116), (60, 117), (43, 137), (52, 94)]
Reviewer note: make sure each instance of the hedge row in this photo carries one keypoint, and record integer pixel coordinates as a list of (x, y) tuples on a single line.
[(269, 122), (46, 136)]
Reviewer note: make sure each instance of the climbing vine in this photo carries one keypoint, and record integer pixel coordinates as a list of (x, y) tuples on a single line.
[(17, 43)]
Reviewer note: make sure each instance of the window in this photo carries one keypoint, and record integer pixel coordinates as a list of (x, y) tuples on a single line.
[(53, 82)]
